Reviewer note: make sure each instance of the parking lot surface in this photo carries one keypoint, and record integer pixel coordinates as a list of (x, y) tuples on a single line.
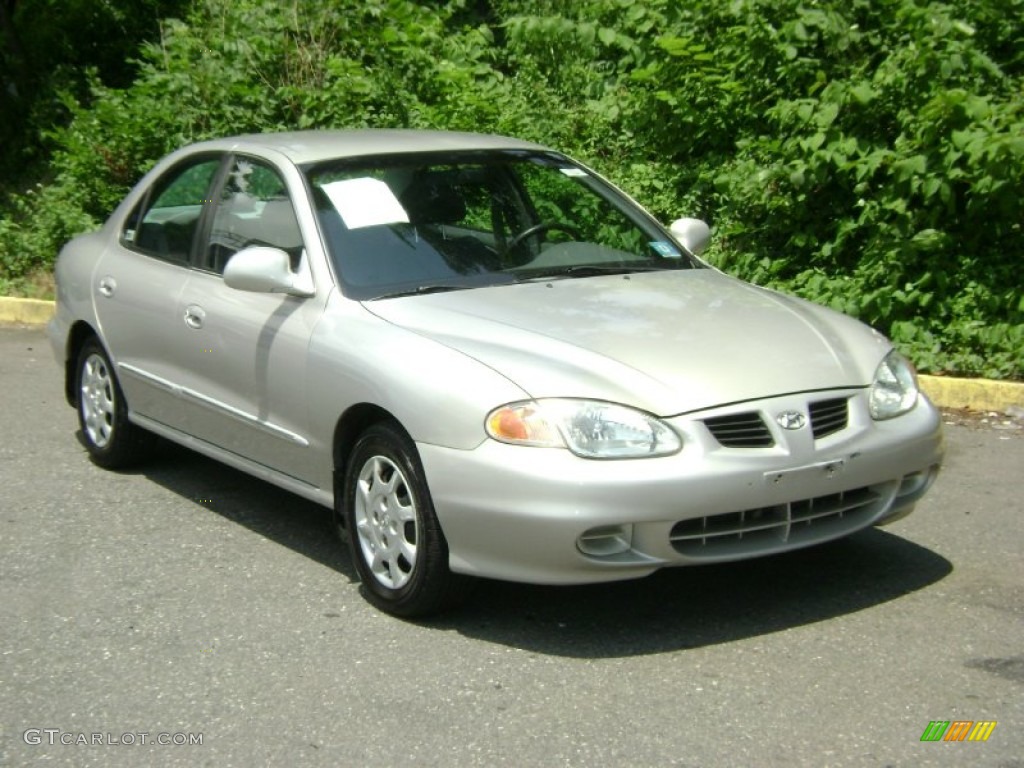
[(185, 602)]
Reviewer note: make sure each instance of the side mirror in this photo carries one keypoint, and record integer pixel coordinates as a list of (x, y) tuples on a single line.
[(266, 270), (694, 234)]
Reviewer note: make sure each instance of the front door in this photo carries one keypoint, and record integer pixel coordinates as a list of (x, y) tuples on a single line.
[(246, 356)]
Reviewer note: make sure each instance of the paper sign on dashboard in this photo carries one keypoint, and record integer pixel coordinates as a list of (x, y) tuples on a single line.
[(365, 202)]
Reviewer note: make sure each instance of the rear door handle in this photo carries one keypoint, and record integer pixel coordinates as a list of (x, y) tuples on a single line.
[(107, 286), (194, 316)]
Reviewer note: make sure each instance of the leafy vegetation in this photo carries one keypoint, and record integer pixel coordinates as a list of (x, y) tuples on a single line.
[(867, 155)]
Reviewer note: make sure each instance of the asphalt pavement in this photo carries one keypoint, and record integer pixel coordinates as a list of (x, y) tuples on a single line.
[(185, 602)]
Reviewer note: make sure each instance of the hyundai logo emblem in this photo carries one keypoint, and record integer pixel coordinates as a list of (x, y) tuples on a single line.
[(791, 419)]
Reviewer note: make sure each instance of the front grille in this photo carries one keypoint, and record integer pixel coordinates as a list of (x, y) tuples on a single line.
[(767, 528), (828, 417), (740, 430)]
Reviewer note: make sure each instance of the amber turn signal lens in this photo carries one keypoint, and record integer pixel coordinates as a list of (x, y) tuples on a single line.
[(522, 423)]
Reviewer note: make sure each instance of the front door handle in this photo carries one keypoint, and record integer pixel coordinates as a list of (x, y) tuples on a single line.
[(107, 286), (194, 316)]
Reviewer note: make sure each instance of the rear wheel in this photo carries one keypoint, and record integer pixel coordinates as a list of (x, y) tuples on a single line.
[(396, 541), (112, 440)]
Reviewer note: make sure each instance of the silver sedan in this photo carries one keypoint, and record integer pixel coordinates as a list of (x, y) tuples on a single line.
[(484, 358)]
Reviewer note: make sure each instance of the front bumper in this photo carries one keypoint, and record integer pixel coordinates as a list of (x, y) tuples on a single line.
[(546, 516)]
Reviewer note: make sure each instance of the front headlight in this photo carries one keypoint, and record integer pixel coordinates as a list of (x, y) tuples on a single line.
[(894, 390), (589, 428)]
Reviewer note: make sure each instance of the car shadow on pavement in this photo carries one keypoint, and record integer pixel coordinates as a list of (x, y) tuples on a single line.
[(679, 608), (272, 512), (674, 609)]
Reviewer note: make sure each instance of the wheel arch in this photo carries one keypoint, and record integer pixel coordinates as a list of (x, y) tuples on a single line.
[(352, 423), (79, 333)]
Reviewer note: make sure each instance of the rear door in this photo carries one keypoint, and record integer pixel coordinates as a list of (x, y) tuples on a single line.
[(137, 288)]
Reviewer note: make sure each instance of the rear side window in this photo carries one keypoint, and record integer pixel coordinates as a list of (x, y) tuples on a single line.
[(164, 224)]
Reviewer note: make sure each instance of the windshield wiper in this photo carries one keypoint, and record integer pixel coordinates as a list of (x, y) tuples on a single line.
[(583, 270), (420, 290)]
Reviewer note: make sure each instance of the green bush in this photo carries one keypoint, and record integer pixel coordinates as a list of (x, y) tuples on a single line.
[(871, 159), (867, 155)]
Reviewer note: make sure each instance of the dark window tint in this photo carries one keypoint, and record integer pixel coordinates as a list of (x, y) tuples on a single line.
[(410, 223), (164, 225)]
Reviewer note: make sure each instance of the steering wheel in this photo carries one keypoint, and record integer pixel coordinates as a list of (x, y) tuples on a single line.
[(543, 226)]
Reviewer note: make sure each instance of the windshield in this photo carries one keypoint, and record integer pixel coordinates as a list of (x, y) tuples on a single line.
[(409, 224)]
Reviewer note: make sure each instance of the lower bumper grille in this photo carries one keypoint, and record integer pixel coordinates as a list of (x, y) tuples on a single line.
[(774, 527)]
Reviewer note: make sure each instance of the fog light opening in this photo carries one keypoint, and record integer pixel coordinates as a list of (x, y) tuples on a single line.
[(606, 541), (911, 483), (916, 483)]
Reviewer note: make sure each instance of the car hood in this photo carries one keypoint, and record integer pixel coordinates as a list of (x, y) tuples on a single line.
[(667, 342)]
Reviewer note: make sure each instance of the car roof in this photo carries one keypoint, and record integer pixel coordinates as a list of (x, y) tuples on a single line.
[(302, 147)]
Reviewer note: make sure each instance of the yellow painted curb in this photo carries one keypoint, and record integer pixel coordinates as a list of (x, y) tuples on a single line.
[(944, 391), (25, 311), (976, 394)]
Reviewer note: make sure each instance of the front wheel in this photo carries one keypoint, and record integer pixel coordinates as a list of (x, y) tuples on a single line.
[(396, 541), (112, 440)]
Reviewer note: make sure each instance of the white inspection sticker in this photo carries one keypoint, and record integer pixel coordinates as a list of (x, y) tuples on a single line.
[(365, 202)]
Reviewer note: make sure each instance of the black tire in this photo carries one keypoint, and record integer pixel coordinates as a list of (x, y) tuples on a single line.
[(397, 545), (113, 442)]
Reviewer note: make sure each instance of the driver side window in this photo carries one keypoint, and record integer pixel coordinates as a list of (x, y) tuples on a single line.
[(253, 208)]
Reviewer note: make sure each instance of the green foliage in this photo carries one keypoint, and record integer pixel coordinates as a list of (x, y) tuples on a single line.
[(869, 158), (39, 222), (46, 48), (866, 155)]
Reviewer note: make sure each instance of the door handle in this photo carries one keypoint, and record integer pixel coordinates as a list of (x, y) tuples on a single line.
[(194, 316), (107, 286)]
